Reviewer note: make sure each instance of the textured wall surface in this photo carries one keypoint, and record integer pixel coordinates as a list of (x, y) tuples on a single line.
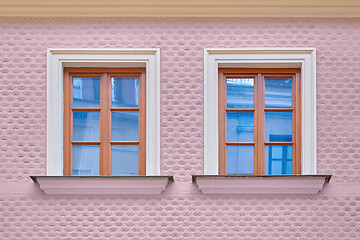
[(26, 213)]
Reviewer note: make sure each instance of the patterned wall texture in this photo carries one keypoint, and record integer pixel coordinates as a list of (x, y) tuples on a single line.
[(333, 214)]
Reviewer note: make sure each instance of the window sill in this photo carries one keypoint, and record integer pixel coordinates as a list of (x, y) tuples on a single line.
[(260, 184), (102, 184)]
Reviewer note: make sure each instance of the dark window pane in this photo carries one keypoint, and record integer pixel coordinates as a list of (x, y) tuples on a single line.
[(125, 159), (239, 127), (278, 93), (86, 92), (86, 160), (278, 160), (86, 126), (125, 126), (124, 92), (240, 93), (239, 159), (278, 127)]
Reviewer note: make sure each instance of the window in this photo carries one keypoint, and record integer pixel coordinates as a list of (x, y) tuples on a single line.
[(259, 121), (124, 66), (301, 59), (104, 121)]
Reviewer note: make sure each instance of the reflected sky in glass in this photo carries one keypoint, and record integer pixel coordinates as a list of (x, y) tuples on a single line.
[(125, 159), (240, 93), (278, 93), (278, 160), (239, 159), (86, 92), (125, 126), (278, 126), (86, 126), (124, 92), (86, 160), (239, 127)]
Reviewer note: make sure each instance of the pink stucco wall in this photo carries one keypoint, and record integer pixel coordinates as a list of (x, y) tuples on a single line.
[(181, 212)]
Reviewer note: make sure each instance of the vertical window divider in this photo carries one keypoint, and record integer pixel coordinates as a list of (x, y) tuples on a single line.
[(293, 122), (103, 125), (108, 124), (67, 125), (222, 122), (256, 121), (297, 127), (142, 123), (261, 124)]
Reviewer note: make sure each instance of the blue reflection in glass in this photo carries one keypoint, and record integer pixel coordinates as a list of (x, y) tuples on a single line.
[(278, 160), (86, 126), (278, 93), (278, 126), (86, 160), (124, 92), (125, 126), (239, 159), (240, 93), (239, 127), (125, 159), (86, 92)]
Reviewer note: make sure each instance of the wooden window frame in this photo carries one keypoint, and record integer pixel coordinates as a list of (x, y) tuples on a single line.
[(105, 110), (259, 75)]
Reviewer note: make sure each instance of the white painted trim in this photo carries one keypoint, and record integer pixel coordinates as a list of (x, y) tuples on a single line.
[(58, 58), (260, 57)]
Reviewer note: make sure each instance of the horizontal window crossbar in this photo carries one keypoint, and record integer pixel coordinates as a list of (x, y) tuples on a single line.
[(240, 143), (124, 142), (85, 143), (85, 109), (278, 109), (124, 109), (279, 143), (240, 110)]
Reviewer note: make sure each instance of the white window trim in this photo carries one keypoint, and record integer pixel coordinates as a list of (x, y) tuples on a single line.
[(57, 59), (304, 58)]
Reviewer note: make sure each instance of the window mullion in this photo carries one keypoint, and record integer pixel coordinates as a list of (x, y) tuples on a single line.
[(260, 143), (142, 124), (222, 123), (67, 166), (297, 126), (103, 125)]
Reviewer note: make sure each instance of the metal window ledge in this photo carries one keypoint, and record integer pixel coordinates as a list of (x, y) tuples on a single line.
[(260, 184), (102, 184)]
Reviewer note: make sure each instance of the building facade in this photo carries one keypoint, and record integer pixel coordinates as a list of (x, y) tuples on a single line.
[(181, 211)]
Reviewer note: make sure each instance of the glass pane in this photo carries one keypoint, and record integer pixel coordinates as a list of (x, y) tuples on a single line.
[(125, 126), (240, 93), (239, 159), (278, 127), (124, 92), (86, 160), (239, 127), (278, 160), (125, 159), (86, 126), (86, 92), (278, 93)]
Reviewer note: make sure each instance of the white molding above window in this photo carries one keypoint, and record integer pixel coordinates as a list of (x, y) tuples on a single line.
[(57, 59), (304, 58)]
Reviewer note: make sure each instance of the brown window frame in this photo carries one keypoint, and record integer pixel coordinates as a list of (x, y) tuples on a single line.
[(105, 110), (259, 75)]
